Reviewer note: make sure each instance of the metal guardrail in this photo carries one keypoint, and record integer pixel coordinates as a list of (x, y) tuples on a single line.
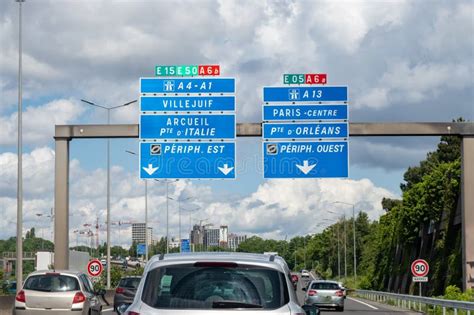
[(414, 302)]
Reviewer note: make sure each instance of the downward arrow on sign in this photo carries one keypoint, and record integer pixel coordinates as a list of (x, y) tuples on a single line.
[(150, 169), (226, 169), (306, 168)]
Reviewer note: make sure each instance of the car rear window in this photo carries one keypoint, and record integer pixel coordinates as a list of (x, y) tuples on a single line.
[(201, 287), (52, 283), (324, 286), (129, 283)]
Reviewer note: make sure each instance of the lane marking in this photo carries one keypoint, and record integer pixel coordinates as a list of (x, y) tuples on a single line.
[(107, 309), (366, 304)]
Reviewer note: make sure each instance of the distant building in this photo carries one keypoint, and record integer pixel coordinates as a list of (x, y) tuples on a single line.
[(138, 233), (216, 237), (197, 235), (235, 240)]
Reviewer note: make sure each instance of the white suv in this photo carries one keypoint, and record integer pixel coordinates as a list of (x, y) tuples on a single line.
[(217, 283)]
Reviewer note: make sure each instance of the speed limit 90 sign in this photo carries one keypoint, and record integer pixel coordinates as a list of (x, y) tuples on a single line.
[(94, 268), (420, 268)]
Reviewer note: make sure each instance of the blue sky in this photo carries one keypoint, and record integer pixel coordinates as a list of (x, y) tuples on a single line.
[(403, 61)]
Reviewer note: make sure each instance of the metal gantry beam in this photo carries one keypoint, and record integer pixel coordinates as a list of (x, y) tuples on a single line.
[(255, 130), (65, 133)]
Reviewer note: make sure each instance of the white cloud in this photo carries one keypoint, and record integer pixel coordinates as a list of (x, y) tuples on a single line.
[(39, 122), (38, 173), (282, 207), (403, 83)]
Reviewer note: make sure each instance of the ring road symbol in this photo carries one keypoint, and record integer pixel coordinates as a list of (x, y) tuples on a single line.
[(420, 268), (94, 268)]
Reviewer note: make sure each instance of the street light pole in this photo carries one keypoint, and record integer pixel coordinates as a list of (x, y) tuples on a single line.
[(167, 219), (179, 217), (338, 252), (354, 238), (355, 248), (19, 200), (146, 220), (108, 206), (146, 213), (345, 247), (108, 180)]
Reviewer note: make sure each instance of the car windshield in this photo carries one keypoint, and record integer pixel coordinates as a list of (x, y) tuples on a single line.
[(324, 286), (52, 283), (129, 283), (201, 287)]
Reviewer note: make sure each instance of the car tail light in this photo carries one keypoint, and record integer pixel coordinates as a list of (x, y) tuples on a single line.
[(79, 297), (133, 313), (312, 292), (339, 293), (20, 296), (119, 290)]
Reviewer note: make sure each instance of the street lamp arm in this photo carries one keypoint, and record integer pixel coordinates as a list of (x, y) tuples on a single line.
[(93, 104), (108, 108), (123, 105)]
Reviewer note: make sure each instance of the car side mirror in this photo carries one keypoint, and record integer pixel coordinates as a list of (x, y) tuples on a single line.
[(303, 288), (122, 308), (311, 309)]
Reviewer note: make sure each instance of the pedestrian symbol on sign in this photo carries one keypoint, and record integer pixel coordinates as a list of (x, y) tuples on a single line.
[(294, 94), (168, 85)]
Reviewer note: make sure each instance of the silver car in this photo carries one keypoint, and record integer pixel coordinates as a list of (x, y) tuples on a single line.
[(325, 293), (60, 292), (217, 283)]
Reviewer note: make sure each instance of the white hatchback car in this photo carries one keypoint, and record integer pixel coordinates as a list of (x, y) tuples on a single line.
[(217, 283), (59, 292)]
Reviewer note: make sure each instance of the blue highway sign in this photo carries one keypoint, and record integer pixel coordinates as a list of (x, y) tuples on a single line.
[(309, 130), (305, 94), (305, 159), (187, 103), (304, 112), (187, 126), (185, 248), (191, 160), (187, 85), (141, 249)]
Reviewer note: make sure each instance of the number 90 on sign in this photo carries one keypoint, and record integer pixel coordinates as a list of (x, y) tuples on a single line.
[(94, 268), (420, 268)]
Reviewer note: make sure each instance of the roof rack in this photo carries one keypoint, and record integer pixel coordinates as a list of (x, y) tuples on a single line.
[(272, 257), (162, 256)]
